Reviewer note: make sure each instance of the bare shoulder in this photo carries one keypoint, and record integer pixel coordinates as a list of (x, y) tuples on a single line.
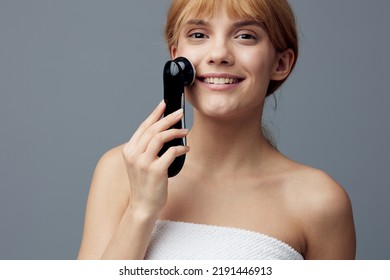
[(110, 183), (111, 166), (107, 200), (324, 212), (318, 190)]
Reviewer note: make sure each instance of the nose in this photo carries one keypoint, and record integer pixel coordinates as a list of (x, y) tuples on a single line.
[(220, 53)]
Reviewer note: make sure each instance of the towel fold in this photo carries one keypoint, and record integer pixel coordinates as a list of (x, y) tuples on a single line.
[(173, 240)]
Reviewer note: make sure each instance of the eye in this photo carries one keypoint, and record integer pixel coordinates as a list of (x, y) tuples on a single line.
[(246, 36), (197, 35)]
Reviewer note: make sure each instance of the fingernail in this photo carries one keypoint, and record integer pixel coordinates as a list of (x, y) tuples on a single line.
[(179, 112)]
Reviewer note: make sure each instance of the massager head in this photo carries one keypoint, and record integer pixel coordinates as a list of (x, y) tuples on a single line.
[(187, 70), (180, 72)]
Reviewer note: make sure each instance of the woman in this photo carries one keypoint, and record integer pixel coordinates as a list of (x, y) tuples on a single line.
[(236, 196)]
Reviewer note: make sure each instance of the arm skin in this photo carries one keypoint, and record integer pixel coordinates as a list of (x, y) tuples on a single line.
[(129, 190), (112, 229), (329, 226)]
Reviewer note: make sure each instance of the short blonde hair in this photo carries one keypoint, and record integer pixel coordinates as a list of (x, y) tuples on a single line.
[(276, 15)]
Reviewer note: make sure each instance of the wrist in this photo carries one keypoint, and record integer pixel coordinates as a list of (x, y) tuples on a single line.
[(142, 214)]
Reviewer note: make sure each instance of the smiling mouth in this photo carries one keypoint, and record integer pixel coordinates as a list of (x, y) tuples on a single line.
[(220, 81)]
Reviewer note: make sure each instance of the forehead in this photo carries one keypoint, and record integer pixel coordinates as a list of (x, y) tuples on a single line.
[(206, 9)]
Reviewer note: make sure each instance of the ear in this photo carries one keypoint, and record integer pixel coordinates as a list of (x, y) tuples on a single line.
[(173, 52), (283, 64)]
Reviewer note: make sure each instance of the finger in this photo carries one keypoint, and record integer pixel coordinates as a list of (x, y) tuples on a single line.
[(169, 156), (150, 120), (162, 125), (157, 142)]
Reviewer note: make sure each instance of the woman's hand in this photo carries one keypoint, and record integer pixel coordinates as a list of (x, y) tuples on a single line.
[(147, 172)]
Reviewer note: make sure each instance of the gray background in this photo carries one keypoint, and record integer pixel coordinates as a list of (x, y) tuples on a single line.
[(78, 76)]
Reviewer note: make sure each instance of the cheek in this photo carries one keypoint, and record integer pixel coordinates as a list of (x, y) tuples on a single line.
[(193, 57), (258, 63), (246, 57)]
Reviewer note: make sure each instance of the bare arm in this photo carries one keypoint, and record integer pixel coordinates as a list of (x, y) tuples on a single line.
[(330, 231), (129, 190), (109, 218)]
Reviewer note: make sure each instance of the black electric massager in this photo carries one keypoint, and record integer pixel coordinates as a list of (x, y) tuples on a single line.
[(177, 74)]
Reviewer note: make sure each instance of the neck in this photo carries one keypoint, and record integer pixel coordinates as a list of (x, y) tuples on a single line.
[(228, 145)]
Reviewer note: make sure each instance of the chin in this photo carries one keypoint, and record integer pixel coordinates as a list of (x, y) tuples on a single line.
[(220, 105), (217, 110)]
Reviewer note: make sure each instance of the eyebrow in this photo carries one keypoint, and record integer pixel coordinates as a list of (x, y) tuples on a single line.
[(249, 23), (237, 24), (196, 22)]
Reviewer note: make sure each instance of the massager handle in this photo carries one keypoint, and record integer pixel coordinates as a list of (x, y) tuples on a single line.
[(177, 74)]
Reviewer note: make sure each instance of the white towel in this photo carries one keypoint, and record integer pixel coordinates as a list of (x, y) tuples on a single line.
[(188, 241)]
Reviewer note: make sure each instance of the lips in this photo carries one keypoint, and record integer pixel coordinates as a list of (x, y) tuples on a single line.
[(220, 79)]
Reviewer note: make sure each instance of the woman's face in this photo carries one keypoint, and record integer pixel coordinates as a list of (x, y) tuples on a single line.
[(234, 61)]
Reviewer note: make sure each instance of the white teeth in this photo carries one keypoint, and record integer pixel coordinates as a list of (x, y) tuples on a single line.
[(220, 81)]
